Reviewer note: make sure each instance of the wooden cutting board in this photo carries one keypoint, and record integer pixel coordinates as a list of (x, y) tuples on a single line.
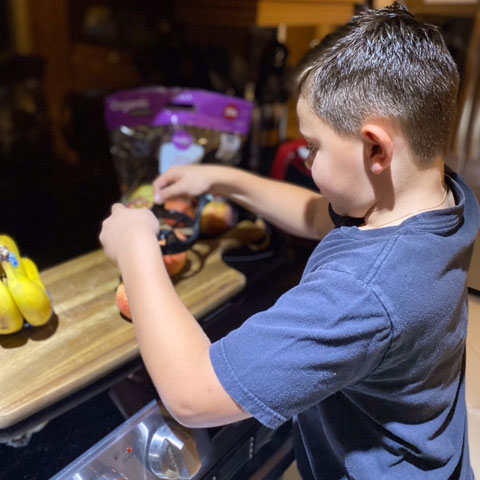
[(87, 337)]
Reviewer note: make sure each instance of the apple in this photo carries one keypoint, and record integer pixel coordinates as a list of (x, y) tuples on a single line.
[(181, 205), (142, 197), (217, 216), (175, 263), (122, 301), (139, 203)]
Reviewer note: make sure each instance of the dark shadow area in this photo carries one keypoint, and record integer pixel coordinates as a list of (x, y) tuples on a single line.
[(29, 333), (53, 208)]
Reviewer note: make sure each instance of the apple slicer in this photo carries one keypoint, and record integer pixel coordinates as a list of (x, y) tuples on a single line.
[(178, 231)]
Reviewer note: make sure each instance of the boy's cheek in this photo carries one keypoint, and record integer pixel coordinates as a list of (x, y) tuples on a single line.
[(318, 176), (318, 184)]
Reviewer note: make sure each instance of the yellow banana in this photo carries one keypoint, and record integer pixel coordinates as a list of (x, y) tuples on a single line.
[(11, 319), (10, 244), (31, 270), (31, 299)]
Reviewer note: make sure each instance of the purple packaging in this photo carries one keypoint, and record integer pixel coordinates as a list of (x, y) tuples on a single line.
[(159, 106), (155, 128)]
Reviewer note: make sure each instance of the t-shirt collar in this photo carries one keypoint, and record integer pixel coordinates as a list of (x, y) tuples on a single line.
[(443, 220)]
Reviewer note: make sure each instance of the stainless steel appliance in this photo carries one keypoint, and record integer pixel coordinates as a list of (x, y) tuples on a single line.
[(150, 445), (145, 439)]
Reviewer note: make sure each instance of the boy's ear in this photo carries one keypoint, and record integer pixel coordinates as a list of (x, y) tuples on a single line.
[(378, 147)]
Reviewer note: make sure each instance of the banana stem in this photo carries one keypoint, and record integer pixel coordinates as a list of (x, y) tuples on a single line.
[(4, 254)]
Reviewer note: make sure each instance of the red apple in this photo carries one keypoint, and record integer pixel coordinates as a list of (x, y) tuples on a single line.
[(181, 205), (122, 301), (175, 263)]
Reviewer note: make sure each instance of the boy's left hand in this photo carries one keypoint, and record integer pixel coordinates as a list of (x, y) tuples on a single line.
[(125, 227)]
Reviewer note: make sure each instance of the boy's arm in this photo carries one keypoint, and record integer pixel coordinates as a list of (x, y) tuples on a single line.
[(292, 208), (174, 348)]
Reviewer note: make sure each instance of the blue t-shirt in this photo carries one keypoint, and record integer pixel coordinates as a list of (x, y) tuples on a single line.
[(367, 353)]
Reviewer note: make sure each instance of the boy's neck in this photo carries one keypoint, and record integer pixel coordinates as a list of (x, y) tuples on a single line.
[(410, 194)]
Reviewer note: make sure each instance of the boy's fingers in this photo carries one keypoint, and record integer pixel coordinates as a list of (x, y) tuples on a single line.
[(117, 206), (172, 190), (160, 184)]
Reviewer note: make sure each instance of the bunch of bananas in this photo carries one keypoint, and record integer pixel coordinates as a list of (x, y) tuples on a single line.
[(22, 292)]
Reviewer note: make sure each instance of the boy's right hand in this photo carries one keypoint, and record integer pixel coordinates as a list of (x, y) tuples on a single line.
[(183, 181)]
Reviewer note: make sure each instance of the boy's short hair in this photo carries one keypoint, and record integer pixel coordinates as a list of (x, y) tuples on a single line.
[(385, 64)]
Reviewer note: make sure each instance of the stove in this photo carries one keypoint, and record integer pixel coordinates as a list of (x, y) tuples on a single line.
[(150, 445), (117, 428)]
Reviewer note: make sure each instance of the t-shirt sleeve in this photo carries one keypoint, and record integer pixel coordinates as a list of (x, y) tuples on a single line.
[(325, 334)]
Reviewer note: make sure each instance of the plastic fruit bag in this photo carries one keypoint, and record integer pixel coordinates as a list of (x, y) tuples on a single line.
[(155, 128)]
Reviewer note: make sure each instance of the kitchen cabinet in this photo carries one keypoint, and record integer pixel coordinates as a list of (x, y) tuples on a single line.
[(266, 13), (444, 8)]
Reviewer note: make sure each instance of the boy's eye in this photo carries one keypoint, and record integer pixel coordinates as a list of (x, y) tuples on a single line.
[(307, 152), (311, 151)]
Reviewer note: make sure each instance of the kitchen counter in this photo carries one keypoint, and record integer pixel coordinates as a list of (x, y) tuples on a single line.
[(44, 443), (87, 337)]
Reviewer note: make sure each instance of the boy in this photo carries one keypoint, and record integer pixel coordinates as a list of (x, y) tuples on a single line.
[(367, 353)]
